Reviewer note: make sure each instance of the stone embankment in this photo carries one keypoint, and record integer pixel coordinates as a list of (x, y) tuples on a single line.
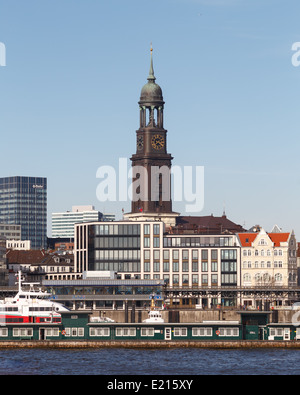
[(216, 344)]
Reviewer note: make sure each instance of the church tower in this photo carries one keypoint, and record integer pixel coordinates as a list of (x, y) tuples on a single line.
[(151, 164)]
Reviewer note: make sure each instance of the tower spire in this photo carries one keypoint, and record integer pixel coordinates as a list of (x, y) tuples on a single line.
[(151, 76)]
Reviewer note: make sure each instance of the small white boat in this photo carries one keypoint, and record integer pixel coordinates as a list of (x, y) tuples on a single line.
[(154, 314)]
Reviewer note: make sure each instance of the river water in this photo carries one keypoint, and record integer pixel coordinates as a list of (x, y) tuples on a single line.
[(156, 362)]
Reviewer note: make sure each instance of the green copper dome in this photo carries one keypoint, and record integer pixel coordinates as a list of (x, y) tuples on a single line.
[(151, 92)]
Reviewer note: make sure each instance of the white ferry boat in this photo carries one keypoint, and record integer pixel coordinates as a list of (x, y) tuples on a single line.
[(32, 306)]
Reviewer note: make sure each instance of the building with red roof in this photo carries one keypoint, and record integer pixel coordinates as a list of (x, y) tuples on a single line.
[(267, 260)]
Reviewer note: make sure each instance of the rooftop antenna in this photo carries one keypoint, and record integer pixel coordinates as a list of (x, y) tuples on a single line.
[(224, 211)]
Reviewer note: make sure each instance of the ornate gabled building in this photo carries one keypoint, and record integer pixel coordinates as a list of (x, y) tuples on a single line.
[(268, 259)]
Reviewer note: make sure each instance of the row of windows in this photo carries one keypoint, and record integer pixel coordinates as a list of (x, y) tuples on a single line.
[(74, 332), (117, 242), (185, 266), (121, 332), (115, 290), (184, 254), (261, 264), (134, 266), (262, 277), (40, 308), (116, 255), (177, 332), (198, 241), (126, 229), (28, 332), (226, 255), (226, 279), (266, 277), (262, 252)]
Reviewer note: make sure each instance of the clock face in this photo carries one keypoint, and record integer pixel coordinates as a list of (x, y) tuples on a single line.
[(140, 142), (157, 141)]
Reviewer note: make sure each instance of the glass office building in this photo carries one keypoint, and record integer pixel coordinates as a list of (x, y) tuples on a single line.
[(23, 201)]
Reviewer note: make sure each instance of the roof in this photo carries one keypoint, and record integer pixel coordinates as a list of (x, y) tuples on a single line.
[(278, 238), (248, 238), (25, 257), (104, 282), (37, 257), (207, 224)]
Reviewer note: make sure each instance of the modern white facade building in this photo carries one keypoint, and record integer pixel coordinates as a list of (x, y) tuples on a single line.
[(63, 223), (145, 250)]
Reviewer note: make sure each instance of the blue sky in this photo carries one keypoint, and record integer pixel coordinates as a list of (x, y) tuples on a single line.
[(72, 81)]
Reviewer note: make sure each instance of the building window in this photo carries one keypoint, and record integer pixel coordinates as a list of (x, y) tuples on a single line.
[(156, 229), (180, 332), (247, 278), (175, 266), (195, 280), (147, 332), (278, 277), (175, 261), (185, 280), (229, 332), (194, 260), (214, 280), (185, 260), (100, 332), (146, 242), (156, 261), (156, 242), (125, 332), (175, 280), (204, 255), (205, 280), (197, 332), (214, 266)]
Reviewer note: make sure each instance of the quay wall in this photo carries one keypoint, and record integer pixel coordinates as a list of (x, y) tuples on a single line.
[(185, 316), (216, 344)]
